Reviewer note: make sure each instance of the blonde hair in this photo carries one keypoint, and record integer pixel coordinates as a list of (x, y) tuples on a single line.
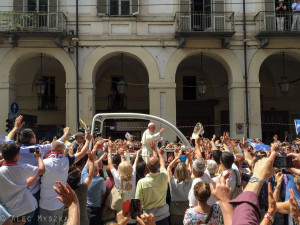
[(125, 171), (297, 181), (181, 173)]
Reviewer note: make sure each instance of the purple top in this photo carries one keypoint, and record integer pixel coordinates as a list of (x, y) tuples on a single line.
[(247, 209)]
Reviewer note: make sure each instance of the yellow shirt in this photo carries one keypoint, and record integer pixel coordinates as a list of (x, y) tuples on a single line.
[(152, 190)]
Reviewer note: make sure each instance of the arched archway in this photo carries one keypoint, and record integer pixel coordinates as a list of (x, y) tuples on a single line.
[(100, 55), (19, 72), (279, 109), (232, 73), (223, 56), (16, 56), (210, 108)]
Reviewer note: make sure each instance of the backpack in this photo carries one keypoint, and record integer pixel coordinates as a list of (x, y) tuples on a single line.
[(237, 190)]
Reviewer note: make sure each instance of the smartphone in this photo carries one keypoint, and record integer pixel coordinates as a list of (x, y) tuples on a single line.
[(135, 208), (126, 207), (283, 162), (33, 150), (283, 171), (183, 148)]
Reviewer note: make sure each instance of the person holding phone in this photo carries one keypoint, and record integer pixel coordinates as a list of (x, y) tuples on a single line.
[(180, 184), (280, 15), (125, 176)]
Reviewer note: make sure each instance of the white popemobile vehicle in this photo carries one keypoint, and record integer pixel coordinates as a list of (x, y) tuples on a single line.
[(98, 122)]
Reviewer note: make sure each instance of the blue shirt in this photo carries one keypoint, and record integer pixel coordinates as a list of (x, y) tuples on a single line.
[(96, 188), (291, 185), (297, 9), (29, 158)]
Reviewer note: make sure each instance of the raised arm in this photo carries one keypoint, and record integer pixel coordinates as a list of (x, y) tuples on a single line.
[(109, 156), (279, 178), (172, 164), (91, 162), (31, 180), (68, 197), (138, 153), (66, 134), (213, 145), (83, 152), (222, 193), (18, 125), (198, 148), (161, 152)]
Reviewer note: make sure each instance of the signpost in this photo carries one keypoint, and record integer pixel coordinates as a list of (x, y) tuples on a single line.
[(14, 107)]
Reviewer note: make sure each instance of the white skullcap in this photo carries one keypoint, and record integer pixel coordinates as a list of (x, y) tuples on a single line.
[(150, 124)]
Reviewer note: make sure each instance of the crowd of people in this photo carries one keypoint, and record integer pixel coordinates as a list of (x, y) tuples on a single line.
[(218, 181)]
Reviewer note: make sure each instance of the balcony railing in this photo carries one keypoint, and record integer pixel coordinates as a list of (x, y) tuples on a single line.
[(205, 21), (271, 22), (33, 21)]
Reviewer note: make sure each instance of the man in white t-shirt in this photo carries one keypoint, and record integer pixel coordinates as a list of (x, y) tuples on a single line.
[(227, 162), (200, 174), (57, 167), (14, 195)]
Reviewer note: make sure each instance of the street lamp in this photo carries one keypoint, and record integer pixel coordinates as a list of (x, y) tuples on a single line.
[(202, 83), (122, 87), (284, 85), (40, 87), (201, 86)]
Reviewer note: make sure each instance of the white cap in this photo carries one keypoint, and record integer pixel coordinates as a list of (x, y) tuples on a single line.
[(150, 124)]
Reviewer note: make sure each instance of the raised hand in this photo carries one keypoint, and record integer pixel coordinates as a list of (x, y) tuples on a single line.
[(18, 122), (66, 194)]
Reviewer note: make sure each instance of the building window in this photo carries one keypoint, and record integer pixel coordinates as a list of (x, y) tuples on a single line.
[(49, 98), (189, 88), (118, 7)]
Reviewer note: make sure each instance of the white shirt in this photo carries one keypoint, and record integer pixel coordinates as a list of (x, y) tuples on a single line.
[(29, 158), (192, 199), (14, 195), (147, 139), (128, 194), (232, 179), (56, 170)]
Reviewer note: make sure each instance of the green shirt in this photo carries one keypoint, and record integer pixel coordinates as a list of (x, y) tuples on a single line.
[(152, 190)]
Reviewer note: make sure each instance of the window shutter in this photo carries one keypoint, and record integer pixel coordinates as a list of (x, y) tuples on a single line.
[(185, 6), (185, 15), (135, 7), (270, 18), (18, 5), (219, 15), (52, 5), (102, 7)]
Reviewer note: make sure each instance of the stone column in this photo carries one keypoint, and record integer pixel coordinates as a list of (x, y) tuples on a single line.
[(254, 110), (71, 107), (87, 102), (236, 108), (162, 103)]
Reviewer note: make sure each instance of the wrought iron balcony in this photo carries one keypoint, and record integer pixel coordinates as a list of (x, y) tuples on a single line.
[(205, 24), (268, 24), (28, 23)]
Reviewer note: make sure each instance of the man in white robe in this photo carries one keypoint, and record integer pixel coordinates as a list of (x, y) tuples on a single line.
[(147, 138)]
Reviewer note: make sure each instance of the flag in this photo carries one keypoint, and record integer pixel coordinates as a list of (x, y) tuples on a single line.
[(258, 147), (84, 125), (297, 126), (127, 135)]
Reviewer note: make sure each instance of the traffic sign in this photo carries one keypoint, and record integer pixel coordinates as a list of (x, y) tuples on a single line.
[(14, 107)]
